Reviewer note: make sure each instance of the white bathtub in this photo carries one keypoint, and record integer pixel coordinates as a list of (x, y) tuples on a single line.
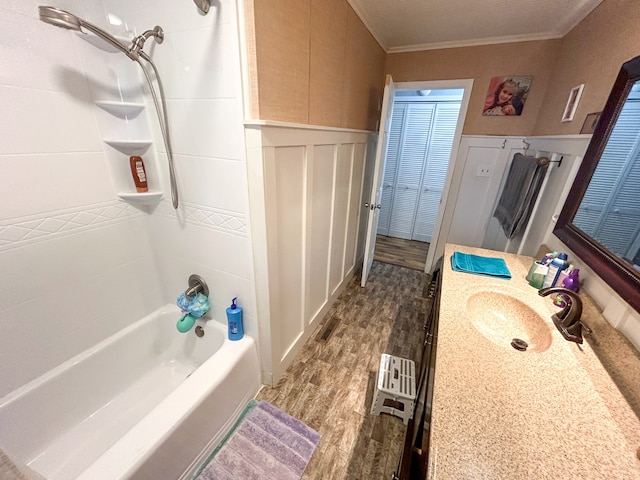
[(147, 403)]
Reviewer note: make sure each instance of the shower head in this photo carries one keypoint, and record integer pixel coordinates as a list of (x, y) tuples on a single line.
[(64, 19), (59, 18)]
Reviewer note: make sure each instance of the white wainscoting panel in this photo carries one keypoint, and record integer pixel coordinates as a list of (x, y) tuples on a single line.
[(355, 208), (288, 200), (321, 174), (305, 195), (342, 183)]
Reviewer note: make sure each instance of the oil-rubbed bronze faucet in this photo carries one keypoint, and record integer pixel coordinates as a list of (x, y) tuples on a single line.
[(568, 320)]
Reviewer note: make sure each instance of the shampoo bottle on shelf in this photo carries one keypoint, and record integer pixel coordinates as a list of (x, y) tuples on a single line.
[(139, 173), (556, 266), (234, 318)]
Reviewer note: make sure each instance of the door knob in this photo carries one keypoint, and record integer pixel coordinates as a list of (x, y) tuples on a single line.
[(378, 206)]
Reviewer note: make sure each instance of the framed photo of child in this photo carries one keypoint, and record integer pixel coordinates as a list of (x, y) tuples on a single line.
[(507, 95)]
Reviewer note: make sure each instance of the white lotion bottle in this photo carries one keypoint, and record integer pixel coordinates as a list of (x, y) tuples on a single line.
[(556, 267)]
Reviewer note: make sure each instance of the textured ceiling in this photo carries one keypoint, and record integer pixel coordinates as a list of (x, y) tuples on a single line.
[(406, 25)]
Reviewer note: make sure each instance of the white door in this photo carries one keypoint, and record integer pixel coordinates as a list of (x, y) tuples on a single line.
[(378, 174)]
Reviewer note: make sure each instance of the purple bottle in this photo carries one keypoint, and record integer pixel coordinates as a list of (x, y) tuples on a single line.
[(572, 282)]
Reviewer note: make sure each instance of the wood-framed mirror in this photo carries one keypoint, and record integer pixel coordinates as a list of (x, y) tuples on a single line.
[(600, 221)]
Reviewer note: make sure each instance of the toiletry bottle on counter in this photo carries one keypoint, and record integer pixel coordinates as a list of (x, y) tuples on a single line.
[(234, 318), (556, 266), (572, 282), (139, 173)]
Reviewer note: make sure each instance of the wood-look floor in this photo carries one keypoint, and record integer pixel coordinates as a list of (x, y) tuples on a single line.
[(330, 385), (398, 251)]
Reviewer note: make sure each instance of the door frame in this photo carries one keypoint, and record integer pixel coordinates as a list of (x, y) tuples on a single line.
[(452, 182)]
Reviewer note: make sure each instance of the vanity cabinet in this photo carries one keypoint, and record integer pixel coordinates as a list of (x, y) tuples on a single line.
[(473, 406), (414, 459)]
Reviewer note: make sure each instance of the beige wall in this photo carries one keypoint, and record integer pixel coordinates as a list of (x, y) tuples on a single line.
[(481, 63), (313, 62), (316, 63), (591, 53)]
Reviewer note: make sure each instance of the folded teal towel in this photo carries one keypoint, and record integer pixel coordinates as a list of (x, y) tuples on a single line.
[(493, 267)]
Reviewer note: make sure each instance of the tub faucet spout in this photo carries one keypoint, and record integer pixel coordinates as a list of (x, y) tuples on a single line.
[(567, 320), (191, 291), (196, 285)]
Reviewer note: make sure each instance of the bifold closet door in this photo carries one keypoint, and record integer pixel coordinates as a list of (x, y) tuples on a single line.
[(435, 173), (411, 161), (391, 166)]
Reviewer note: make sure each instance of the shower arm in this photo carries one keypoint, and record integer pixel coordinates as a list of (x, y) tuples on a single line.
[(138, 42)]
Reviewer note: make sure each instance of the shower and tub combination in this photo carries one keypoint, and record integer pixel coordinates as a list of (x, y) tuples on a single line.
[(147, 402)]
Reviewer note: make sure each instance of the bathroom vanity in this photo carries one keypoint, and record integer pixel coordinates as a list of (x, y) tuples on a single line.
[(551, 411)]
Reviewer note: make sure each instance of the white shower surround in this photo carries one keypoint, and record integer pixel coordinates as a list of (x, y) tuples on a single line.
[(78, 265)]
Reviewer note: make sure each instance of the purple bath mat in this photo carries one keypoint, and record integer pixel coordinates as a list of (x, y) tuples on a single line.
[(266, 444)]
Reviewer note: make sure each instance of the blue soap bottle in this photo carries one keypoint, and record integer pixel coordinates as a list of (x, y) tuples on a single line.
[(234, 318)]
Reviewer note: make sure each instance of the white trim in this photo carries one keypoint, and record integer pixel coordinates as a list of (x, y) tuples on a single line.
[(474, 42), (367, 24), (450, 190), (573, 136), (303, 126), (244, 57)]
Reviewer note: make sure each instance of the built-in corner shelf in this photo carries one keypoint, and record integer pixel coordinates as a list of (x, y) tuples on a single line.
[(121, 109), (146, 198), (127, 145), (103, 44)]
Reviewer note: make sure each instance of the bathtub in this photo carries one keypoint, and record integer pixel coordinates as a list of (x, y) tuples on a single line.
[(147, 403)]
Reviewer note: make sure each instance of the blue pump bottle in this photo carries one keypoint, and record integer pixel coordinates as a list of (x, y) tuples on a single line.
[(234, 318)]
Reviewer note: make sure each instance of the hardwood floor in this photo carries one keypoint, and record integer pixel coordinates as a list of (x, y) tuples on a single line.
[(331, 382), (398, 251)]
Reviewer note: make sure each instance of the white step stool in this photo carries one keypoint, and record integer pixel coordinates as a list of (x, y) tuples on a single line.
[(396, 390)]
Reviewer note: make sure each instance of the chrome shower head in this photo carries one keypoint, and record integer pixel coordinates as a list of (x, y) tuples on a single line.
[(59, 18)]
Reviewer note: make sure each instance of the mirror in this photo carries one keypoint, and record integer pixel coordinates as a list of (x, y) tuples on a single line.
[(600, 220)]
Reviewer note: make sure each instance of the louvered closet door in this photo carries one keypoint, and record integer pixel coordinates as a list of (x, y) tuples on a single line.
[(438, 154), (610, 211), (391, 165), (413, 149)]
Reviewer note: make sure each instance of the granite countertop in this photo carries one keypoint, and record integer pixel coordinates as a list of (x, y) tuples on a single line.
[(553, 411)]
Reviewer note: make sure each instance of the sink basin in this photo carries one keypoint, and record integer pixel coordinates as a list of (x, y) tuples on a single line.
[(501, 318)]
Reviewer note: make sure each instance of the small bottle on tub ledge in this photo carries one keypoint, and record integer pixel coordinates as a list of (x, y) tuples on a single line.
[(234, 318)]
